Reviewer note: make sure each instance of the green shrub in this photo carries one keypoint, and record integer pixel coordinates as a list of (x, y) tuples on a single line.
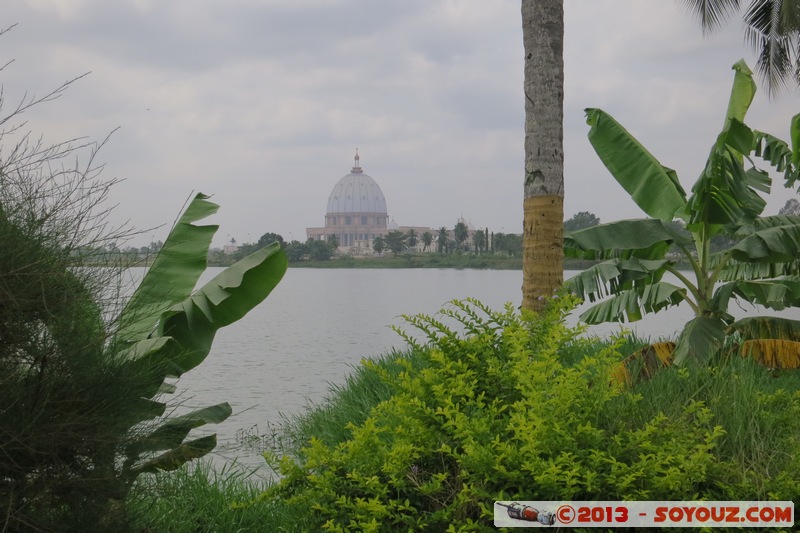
[(508, 413)]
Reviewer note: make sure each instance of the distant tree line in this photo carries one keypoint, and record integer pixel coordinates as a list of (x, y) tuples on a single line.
[(296, 251), (397, 242)]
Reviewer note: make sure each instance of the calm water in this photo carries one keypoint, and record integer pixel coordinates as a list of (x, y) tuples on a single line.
[(319, 323)]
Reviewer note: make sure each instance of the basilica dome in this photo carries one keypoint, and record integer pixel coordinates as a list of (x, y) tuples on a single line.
[(356, 193)]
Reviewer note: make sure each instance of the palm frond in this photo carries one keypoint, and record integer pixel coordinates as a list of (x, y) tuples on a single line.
[(766, 34), (712, 13)]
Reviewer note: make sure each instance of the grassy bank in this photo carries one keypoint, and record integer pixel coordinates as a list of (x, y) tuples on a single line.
[(520, 409)]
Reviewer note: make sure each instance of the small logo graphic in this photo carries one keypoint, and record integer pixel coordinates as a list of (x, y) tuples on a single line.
[(565, 514), (527, 513)]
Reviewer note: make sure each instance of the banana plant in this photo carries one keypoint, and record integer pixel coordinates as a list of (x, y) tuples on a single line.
[(167, 328), (761, 267)]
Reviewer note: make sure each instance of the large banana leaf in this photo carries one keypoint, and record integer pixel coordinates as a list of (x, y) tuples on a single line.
[(174, 430), (186, 331), (654, 187), (176, 457), (774, 294), (748, 271), (222, 301), (183, 339), (173, 274), (642, 238), (742, 93), (166, 330), (614, 276), (633, 303), (726, 194), (778, 244), (762, 223), (700, 338), (779, 154)]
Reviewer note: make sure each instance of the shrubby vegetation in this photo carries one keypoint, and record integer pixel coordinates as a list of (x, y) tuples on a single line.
[(62, 399), (522, 407)]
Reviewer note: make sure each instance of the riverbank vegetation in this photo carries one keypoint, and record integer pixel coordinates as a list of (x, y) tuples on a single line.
[(520, 407)]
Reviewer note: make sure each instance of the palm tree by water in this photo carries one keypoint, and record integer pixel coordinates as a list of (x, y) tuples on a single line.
[(543, 233), (427, 240), (441, 240)]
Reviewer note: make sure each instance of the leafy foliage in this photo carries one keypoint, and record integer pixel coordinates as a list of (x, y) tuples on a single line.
[(396, 241), (508, 243), (319, 250), (494, 415), (791, 207), (581, 220), (427, 240), (460, 233), (442, 240), (725, 237), (411, 239), (378, 244)]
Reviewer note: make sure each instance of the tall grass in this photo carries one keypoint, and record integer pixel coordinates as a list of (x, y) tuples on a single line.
[(197, 498), (347, 403), (750, 402)]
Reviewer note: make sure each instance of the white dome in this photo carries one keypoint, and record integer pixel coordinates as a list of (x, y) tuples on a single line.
[(357, 193)]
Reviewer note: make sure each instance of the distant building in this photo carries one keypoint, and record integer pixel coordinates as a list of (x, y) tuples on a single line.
[(230, 247), (356, 213)]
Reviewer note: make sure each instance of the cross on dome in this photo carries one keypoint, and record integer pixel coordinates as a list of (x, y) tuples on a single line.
[(357, 169)]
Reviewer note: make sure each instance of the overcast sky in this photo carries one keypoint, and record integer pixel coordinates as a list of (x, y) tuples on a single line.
[(262, 103)]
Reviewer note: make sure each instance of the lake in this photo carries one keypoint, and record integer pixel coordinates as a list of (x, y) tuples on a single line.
[(319, 323)]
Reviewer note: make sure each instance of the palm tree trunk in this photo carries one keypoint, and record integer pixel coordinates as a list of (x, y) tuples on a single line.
[(543, 233)]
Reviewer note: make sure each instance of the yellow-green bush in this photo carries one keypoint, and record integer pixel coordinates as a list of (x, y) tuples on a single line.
[(498, 415)]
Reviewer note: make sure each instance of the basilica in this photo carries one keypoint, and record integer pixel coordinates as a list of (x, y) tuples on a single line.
[(357, 213)]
